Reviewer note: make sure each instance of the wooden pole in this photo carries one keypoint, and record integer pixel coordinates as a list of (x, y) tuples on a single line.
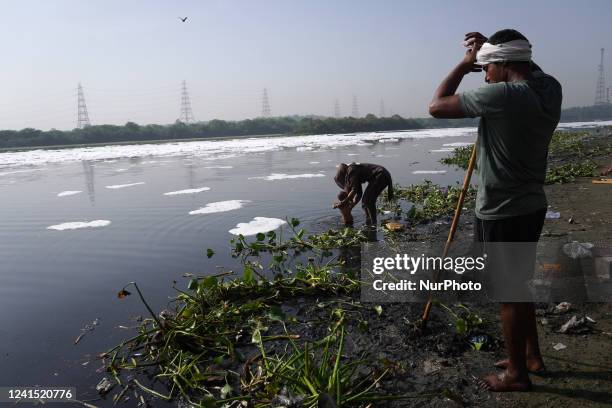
[(453, 228)]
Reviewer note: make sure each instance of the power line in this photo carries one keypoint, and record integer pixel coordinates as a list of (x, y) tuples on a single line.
[(355, 110), (265, 104), (186, 112), (337, 108), (382, 112), (601, 96), (82, 115)]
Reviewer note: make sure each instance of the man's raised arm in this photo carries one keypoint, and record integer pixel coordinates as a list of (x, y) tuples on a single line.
[(445, 104)]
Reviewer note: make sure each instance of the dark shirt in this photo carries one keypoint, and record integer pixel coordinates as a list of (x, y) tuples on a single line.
[(356, 174)]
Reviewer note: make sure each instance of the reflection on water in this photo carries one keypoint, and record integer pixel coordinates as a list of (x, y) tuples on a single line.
[(88, 172)]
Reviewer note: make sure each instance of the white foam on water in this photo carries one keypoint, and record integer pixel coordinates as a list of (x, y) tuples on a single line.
[(216, 149), (220, 206), (79, 225), (314, 162), (7, 173), (304, 148), (571, 125), (117, 186), (257, 225), (120, 170), (443, 150), (283, 176), (429, 172), (230, 148), (188, 191), (353, 154), (390, 140), (458, 144), (219, 167), (68, 193)]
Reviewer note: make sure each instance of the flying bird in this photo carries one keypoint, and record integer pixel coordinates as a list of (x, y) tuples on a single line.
[(183, 19)]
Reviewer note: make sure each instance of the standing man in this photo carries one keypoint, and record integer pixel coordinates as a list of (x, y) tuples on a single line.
[(519, 109)]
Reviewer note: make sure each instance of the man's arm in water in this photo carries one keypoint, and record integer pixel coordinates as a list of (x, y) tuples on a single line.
[(445, 104)]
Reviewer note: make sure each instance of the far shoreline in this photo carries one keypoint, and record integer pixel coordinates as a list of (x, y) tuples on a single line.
[(219, 138)]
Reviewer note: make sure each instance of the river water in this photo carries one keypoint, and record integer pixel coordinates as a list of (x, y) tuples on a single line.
[(78, 224)]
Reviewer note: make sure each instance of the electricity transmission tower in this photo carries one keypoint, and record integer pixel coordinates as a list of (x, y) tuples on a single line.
[(82, 116), (382, 112), (355, 111), (337, 108), (265, 104), (186, 112), (600, 94)]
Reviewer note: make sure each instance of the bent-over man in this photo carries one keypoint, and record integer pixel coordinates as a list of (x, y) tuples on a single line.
[(350, 178)]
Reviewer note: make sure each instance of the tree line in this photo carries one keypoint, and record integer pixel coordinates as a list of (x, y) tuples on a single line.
[(288, 125), (132, 132)]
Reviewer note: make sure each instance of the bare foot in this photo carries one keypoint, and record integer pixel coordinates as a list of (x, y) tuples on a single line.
[(534, 365), (503, 382)]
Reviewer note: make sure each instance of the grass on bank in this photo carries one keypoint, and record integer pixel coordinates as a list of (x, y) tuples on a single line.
[(564, 147)]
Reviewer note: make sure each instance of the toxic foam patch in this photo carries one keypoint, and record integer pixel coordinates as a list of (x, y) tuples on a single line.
[(257, 225), (188, 191), (68, 193), (443, 150), (117, 186), (217, 149), (457, 144), (429, 172), (7, 173), (79, 225), (220, 206), (283, 176)]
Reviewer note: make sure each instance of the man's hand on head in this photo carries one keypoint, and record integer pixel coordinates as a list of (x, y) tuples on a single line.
[(473, 41), (445, 103)]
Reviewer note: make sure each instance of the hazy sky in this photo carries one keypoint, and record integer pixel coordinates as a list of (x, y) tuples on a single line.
[(131, 56)]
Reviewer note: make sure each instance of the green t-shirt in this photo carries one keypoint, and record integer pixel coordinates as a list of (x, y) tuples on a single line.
[(516, 125)]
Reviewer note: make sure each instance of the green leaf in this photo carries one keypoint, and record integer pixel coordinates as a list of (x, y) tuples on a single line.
[(461, 326), (261, 236), (209, 282), (248, 274), (477, 346), (378, 309), (256, 338), (193, 284), (300, 233), (295, 222), (276, 313), (226, 391), (209, 253)]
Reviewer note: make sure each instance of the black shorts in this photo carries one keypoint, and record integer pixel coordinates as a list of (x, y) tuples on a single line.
[(510, 245), (522, 228)]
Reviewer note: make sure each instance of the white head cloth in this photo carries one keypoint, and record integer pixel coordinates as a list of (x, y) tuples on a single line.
[(511, 51)]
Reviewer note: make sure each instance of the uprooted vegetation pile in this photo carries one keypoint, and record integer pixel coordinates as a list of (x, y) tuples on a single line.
[(275, 334), (570, 156)]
